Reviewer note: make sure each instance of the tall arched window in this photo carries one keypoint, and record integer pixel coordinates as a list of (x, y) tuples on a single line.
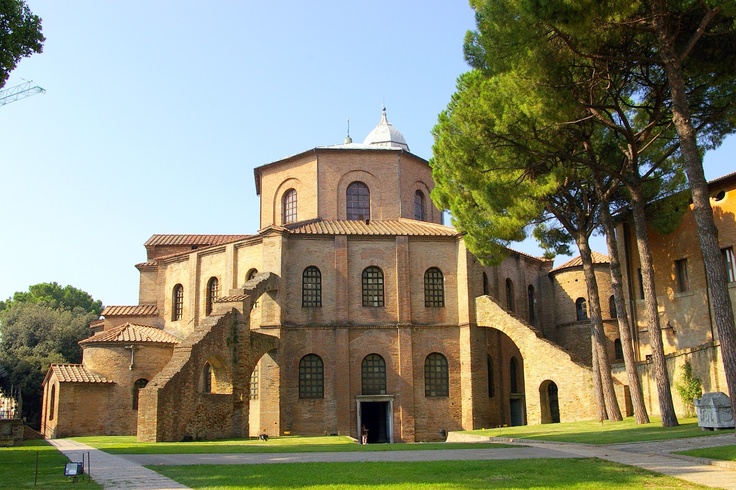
[(207, 378), (251, 274), (491, 384), (530, 300), (311, 287), (434, 288), (513, 375), (289, 206), (581, 309), (436, 376), (509, 295), (419, 206), (358, 201), (612, 306), (372, 286), (137, 387), (311, 377), (52, 402), (373, 374), (618, 349), (177, 303), (254, 384), (213, 292), (486, 287)]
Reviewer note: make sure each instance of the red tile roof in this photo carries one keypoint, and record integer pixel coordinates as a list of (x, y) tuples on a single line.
[(199, 240), (137, 310), (396, 227), (598, 258), (76, 373), (129, 332)]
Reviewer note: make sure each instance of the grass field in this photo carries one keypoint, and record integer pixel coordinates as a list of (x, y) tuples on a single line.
[(440, 475), (724, 453), (594, 432), (589, 432), (291, 444), (18, 467)]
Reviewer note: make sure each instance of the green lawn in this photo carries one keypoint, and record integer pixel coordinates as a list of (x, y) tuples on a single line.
[(18, 467), (442, 475), (288, 444), (594, 432), (724, 453)]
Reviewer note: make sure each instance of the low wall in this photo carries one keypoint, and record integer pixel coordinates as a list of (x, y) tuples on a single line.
[(11, 432)]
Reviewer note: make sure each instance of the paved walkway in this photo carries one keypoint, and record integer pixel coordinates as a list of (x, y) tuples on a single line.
[(114, 472), (127, 472)]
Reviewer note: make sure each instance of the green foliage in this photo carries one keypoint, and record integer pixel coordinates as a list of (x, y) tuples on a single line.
[(20, 35), (52, 295), (689, 387), (38, 328)]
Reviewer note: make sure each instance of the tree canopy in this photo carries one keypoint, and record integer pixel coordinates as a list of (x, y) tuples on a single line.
[(53, 295), (558, 90), (38, 328), (20, 35)]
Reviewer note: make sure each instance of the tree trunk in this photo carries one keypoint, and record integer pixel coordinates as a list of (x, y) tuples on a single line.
[(596, 326), (624, 327), (662, 379), (597, 389), (715, 269)]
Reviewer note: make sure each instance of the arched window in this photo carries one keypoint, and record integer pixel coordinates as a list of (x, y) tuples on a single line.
[(251, 274), (436, 376), (509, 295), (373, 370), (207, 378), (289, 206), (372, 286), (254, 384), (434, 288), (358, 201), (491, 384), (513, 375), (581, 309), (311, 377), (213, 292), (311, 287), (137, 387), (177, 303), (486, 287), (618, 349), (612, 306), (52, 402), (530, 299), (419, 207)]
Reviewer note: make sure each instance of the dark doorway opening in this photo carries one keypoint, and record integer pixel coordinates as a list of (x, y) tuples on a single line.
[(554, 404), (516, 415), (374, 416)]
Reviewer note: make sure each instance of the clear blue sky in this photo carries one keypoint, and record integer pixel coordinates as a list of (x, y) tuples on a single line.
[(156, 113)]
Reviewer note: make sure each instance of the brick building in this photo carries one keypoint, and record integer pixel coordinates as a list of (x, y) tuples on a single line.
[(353, 305)]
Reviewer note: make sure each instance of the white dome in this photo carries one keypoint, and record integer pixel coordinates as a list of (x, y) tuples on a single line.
[(386, 135)]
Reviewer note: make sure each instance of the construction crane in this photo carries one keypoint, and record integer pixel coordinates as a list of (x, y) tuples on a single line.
[(19, 92)]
